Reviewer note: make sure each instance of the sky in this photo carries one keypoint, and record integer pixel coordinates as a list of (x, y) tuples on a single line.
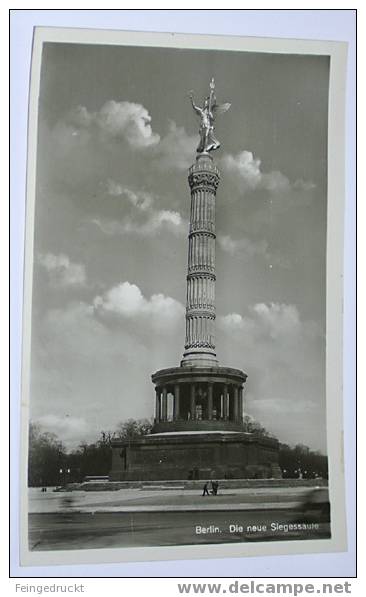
[(116, 136)]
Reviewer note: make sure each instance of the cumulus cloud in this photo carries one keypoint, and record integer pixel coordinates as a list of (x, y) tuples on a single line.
[(278, 319), (166, 216), (83, 357), (251, 177), (176, 149), (145, 218), (246, 166), (246, 248), (157, 220), (116, 120), (89, 369), (232, 321), (80, 118), (242, 245), (283, 355), (126, 300), (71, 430), (62, 271), (272, 320), (141, 200), (76, 336), (304, 185)]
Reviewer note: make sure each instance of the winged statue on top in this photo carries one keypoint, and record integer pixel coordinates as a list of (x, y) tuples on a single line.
[(208, 114)]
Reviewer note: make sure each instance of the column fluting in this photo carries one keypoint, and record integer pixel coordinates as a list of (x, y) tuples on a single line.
[(200, 347)]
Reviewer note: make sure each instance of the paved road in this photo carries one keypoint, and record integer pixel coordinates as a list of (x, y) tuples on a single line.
[(136, 499), (86, 530)]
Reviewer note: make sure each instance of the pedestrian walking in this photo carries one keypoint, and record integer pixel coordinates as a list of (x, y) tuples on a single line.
[(205, 489), (215, 487)]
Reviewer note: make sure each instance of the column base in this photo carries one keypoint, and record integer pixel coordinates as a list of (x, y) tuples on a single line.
[(199, 359)]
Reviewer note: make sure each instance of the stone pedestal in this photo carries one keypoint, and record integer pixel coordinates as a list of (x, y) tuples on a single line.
[(202, 455)]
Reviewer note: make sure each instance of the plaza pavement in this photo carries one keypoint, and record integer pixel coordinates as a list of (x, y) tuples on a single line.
[(173, 500)]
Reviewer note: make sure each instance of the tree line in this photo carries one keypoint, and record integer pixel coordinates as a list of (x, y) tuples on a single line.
[(51, 464)]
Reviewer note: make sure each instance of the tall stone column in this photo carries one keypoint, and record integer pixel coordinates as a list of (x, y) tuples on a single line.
[(203, 180), (241, 403), (157, 404), (236, 403), (165, 404), (224, 403), (193, 401), (176, 403), (210, 401)]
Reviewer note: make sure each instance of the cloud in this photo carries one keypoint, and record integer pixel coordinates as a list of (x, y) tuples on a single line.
[(126, 300), (145, 218), (62, 271), (107, 351), (247, 168), (116, 120), (243, 245), (171, 220), (176, 149), (304, 185), (74, 336), (80, 118), (165, 216), (141, 200), (273, 320), (71, 430), (83, 372), (284, 356), (278, 319), (246, 249), (232, 321), (95, 360)]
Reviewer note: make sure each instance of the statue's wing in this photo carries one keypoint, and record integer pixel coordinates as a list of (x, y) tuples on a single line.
[(221, 108)]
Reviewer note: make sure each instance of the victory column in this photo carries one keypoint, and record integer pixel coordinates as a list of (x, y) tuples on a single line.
[(198, 427)]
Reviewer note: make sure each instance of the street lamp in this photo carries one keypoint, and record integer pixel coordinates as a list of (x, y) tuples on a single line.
[(65, 472)]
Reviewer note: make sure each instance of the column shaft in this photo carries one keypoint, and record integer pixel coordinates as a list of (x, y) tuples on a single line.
[(193, 401), (241, 403), (157, 404), (165, 404), (210, 401), (176, 402), (224, 413), (200, 345), (236, 403)]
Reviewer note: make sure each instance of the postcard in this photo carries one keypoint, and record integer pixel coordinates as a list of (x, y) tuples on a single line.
[(182, 362)]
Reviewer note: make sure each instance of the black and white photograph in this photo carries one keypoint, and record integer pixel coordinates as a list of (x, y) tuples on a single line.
[(181, 352)]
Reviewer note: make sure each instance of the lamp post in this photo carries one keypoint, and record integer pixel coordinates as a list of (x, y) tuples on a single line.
[(64, 472)]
